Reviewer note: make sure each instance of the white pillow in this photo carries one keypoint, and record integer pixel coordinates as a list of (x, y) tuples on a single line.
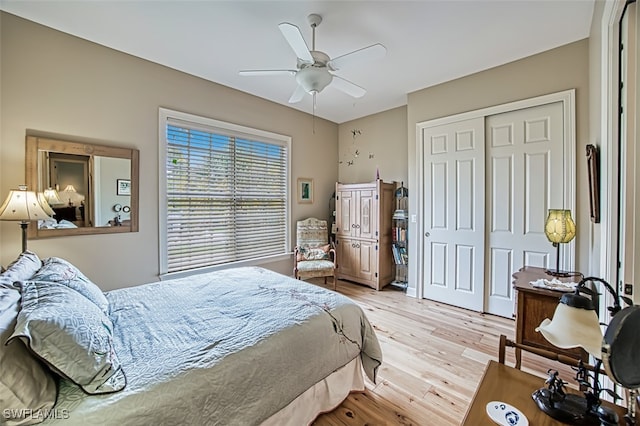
[(25, 383), (71, 334), (21, 269)]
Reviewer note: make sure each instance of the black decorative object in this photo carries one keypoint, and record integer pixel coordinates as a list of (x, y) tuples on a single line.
[(575, 324)]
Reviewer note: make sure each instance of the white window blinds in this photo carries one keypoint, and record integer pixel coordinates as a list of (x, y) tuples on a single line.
[(226, 195)]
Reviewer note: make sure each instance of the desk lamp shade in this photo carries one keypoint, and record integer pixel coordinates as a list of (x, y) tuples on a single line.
[(22, 206), (574, 326)]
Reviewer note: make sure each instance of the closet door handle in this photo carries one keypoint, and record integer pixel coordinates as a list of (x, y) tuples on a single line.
[(427, 234)]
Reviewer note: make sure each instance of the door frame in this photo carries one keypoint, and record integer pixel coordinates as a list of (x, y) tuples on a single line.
[(567, 98)]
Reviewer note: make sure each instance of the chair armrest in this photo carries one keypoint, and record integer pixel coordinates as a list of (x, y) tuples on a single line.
[(332, 254), (573, 362)]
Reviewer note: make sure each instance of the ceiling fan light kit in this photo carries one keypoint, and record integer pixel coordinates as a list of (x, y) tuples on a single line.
[(314, 69), (313, 79)]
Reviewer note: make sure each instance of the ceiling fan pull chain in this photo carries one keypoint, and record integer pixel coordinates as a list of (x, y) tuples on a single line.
[(313, 117)]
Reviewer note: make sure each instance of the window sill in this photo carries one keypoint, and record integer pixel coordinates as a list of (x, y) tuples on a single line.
[(251, 262)]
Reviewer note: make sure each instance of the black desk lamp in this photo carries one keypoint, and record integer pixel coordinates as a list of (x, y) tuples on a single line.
[(575, 324)]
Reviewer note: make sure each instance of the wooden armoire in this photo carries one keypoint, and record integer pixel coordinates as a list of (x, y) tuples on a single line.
[(363, 236)]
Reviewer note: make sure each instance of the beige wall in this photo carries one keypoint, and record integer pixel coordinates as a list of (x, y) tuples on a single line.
[(55, 83), (553, 71), (383, 136)]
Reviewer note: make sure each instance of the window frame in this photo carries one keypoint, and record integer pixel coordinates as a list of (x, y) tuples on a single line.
[(165, 115)]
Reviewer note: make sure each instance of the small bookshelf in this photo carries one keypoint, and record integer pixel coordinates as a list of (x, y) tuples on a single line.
[(399, 230)]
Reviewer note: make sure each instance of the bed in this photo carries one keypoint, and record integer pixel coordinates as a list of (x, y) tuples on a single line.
[(244, 346)]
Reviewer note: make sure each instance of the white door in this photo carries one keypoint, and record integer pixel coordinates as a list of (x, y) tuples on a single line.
[(629, 228), (524, 179), (454, 239)]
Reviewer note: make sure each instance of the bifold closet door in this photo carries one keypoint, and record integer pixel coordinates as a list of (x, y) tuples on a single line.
[(454, 216), (487, 185), (524, 180)]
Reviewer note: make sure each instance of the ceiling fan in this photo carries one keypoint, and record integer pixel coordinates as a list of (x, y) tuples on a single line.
[(315, 69)]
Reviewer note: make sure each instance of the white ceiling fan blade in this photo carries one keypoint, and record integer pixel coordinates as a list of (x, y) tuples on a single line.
[(297, 95), (348, 87), (294, 37), (266, 72), (369, 53)]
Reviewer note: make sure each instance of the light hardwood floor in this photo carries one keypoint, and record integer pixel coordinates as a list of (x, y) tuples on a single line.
[(434, 357)]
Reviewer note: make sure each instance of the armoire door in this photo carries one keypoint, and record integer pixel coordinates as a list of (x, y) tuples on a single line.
[(345, 208), (366, 214)]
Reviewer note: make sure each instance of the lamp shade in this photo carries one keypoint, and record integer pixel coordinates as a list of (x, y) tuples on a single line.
[(573, 327), (45, 205), (559, 226), (52, 197), (22, 205), (70, 188)]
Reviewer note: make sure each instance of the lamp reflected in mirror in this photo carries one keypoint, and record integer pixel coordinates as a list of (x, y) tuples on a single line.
[(52, 197)]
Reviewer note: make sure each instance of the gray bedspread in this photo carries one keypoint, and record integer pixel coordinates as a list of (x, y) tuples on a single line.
[(230, 348)]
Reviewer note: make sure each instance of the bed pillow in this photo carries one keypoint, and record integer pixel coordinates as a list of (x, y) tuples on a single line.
[(21, 269), (60, 271), (70, 334), (25, 383), (316, 253)]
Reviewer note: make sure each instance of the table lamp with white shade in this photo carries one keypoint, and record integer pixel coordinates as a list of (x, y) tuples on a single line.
[(22, 206)]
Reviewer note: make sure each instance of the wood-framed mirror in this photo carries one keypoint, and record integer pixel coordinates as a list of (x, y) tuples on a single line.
[(83, 184)]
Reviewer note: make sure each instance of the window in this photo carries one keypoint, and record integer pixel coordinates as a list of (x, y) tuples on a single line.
[(224, 193)]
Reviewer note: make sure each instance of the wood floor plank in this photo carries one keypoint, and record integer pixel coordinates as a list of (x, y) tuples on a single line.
[(434, 357)]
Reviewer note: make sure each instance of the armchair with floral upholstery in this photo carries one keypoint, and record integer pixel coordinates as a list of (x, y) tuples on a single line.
[(313, 255)]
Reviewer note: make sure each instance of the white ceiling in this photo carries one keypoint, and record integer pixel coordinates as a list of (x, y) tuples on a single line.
[(428, 42)]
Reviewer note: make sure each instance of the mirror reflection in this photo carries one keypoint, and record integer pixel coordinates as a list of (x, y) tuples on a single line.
[(90, 188)]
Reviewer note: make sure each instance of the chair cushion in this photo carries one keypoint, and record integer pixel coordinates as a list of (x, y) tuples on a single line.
[(315, 265), (311, 232), (313, 253)]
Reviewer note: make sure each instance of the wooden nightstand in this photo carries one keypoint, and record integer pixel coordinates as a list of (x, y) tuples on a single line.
[(533, 305)]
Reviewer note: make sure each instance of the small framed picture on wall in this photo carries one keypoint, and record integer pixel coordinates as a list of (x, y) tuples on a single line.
[(305, 190), (123, 187)]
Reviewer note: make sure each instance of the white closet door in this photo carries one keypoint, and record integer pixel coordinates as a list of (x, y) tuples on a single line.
[(524, 179), (454, 216)]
